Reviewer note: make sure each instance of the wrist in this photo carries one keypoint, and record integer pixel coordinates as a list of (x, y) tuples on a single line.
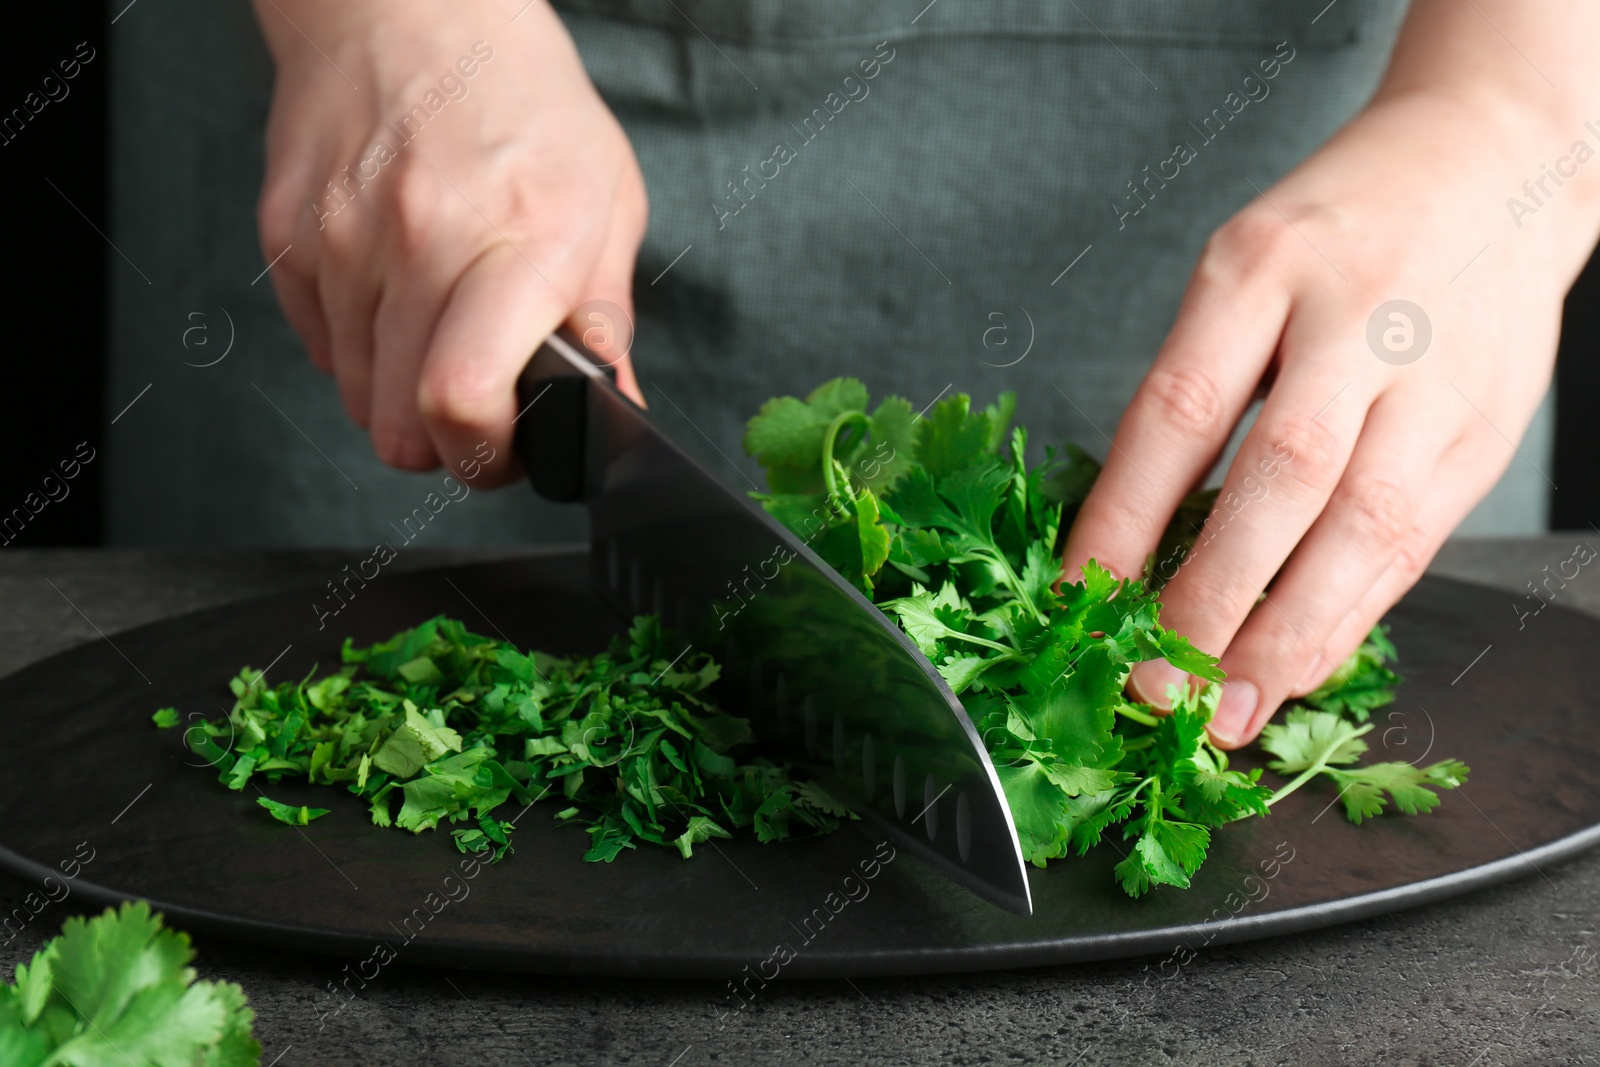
[(1511, 143), (290, 26)]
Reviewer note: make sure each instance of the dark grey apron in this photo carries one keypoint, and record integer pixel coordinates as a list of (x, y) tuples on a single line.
[(969, 195)]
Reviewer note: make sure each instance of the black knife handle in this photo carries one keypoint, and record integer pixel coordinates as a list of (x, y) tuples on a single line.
[(552, 431)]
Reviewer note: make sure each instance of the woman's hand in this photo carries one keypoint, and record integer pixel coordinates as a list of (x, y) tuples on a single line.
[(1370, 448), (480, 194)]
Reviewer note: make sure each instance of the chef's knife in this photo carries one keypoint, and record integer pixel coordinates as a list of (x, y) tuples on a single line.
[(825, 677)]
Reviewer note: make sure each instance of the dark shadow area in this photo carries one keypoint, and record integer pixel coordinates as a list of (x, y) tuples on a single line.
[(1575, 503), (53, 171)]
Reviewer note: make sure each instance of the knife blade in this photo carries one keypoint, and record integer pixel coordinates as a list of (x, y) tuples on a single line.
[(826, 679)]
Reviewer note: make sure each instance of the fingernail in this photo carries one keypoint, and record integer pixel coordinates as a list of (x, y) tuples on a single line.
[(1151, 678), (1239, 700)]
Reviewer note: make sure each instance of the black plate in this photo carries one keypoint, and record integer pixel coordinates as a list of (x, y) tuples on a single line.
[(82, 772)]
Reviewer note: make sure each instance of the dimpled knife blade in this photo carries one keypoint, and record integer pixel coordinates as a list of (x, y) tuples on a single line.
[(826, 679)]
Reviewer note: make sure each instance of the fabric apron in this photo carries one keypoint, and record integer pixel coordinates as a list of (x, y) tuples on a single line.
[(964, 195)]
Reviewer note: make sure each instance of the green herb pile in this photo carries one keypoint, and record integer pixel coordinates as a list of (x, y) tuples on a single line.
[(942, 522), (454, 727), (118, 989), (938, 519)]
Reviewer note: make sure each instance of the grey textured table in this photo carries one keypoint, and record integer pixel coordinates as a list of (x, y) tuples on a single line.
[(1506, 976)]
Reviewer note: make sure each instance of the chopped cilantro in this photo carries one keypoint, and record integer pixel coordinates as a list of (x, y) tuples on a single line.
[(459, 728), (942, 522), (288, 813), (117, 989), (165, 718)]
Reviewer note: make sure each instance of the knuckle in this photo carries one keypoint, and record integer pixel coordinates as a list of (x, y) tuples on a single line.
[(1308, 451), (561, 236), (1279, 646), (1381, 509), (1186, 398), (454, 399), (1224, 598), (1111, 524), (415, 206), (556, 218), (275, 219), (400, 449), (1250, 241), (343, 244), (1412, 557)]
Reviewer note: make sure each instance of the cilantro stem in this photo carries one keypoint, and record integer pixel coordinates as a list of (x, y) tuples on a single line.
[(1128, 711), (1010, 653), (1129, 799), (1016, 585), (1316, 768), (828, 439)]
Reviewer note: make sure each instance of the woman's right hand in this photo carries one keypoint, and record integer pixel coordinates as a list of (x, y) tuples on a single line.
[(481, 194)]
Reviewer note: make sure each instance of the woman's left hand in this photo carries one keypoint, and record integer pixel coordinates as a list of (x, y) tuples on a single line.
[(1404, 328)]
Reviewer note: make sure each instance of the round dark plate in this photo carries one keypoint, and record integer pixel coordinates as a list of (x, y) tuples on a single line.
[(84, 774)]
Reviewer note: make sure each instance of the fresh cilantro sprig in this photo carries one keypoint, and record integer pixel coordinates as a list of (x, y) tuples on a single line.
[(118, 989), (1308, 743), (942, 522), (456, 727)]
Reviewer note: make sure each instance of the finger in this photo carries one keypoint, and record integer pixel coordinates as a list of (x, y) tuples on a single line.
[(1461, 479), (604, 318), (288, 246), (1180, 418), (500, 310), (1348, 548), (1463, 476), (297, 295), (406, 316), (1279, 483), (424, 251), (349, 293)]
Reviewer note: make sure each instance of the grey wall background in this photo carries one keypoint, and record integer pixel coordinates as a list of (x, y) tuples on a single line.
[(256, 450)]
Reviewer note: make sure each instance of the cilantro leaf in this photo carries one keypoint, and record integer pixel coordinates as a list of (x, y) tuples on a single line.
[(1090, 814), (893, 437), (289, 813), (951, 436), (117, 989), (414, 743), (1362, 683), (1078, 712), (700, 829), (1166, 853), (812, 796), (1038, 808), (1308, 740), (796, 441), (1366, 791), (932, 617)]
